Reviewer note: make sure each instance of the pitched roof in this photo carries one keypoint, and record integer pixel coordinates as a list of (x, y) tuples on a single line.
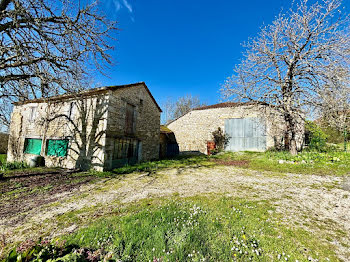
[(220, 105), (87, 93), (225, 104), (165, 129)]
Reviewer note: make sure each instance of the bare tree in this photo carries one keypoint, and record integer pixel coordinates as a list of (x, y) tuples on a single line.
[(183, 105), (288, 63), (168, 107), (46, 45), (335, 109)]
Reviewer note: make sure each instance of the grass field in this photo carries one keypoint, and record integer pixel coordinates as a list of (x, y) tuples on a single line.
[(332, 163), (201, 228)]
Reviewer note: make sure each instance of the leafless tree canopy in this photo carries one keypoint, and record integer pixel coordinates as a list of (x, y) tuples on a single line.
[(335, 109), (175, 109), (46, 45), (291, 60)]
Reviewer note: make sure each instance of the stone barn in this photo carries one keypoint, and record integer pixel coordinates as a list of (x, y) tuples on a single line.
[(101, 128), (250, 127)]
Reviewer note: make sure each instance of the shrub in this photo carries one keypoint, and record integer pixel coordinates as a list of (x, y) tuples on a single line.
[(221, 139), (316, 137)]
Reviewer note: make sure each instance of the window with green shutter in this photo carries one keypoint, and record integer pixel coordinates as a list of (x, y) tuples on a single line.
[(32, 146), (57, 147)]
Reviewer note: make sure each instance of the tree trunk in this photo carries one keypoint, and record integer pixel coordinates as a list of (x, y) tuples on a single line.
[(290, 141), (293, 147), (345, 137)]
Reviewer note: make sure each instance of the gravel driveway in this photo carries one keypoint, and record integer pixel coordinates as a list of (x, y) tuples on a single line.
[(319, 204)]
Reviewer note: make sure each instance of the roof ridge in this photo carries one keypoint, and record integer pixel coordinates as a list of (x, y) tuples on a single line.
[(223, 105), (87, 92)]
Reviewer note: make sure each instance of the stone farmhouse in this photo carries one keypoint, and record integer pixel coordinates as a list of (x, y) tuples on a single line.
[(250, 127), (101, 128)]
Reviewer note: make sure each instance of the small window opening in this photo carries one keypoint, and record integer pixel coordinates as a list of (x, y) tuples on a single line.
[(33, 111)]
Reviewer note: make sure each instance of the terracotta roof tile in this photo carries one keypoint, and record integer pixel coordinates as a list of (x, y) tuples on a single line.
[(225, 104)]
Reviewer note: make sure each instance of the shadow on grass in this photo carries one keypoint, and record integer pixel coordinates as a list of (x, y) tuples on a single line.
[(154, 166), (32, 172)]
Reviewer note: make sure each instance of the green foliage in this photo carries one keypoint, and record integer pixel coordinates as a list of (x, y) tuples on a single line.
[(211, 228), (317, 138), (2, 159), (43, 250), (334, 136), (13, 166), (221, 139)]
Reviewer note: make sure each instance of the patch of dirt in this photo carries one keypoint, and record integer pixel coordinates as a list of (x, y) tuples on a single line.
[(346, 183), (22, 192)]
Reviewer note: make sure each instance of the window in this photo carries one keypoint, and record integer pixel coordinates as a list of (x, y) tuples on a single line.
[(32, 146), (141, 105), (32, 115), (130, 119), (57, 147)]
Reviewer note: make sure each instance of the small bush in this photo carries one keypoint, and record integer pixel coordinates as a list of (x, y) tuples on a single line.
[(316, 137), (221, 139)]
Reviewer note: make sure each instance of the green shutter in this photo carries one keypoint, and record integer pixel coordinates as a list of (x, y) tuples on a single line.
[(32, 146), (57, 147)]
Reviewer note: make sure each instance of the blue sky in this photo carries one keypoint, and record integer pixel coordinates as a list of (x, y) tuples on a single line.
[(183, 46)]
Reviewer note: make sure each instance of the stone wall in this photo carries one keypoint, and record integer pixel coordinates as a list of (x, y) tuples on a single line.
[(81, 121), (195, 128), (90, 123), (147, 122)]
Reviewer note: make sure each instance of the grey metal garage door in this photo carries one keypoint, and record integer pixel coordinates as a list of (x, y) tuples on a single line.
[(246, 134)]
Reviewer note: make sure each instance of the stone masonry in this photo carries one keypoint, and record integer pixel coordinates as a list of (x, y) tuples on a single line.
[(194, 129), (91, 121)]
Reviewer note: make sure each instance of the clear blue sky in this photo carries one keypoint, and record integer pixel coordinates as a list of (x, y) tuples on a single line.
[(183, 46)]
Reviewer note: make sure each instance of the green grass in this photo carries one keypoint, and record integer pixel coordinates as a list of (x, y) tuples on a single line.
[(153, 166), (2, 159), (331, 163), (202, 228), (8, 166)]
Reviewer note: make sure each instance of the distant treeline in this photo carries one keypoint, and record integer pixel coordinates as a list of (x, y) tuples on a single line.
[(3, 143)]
